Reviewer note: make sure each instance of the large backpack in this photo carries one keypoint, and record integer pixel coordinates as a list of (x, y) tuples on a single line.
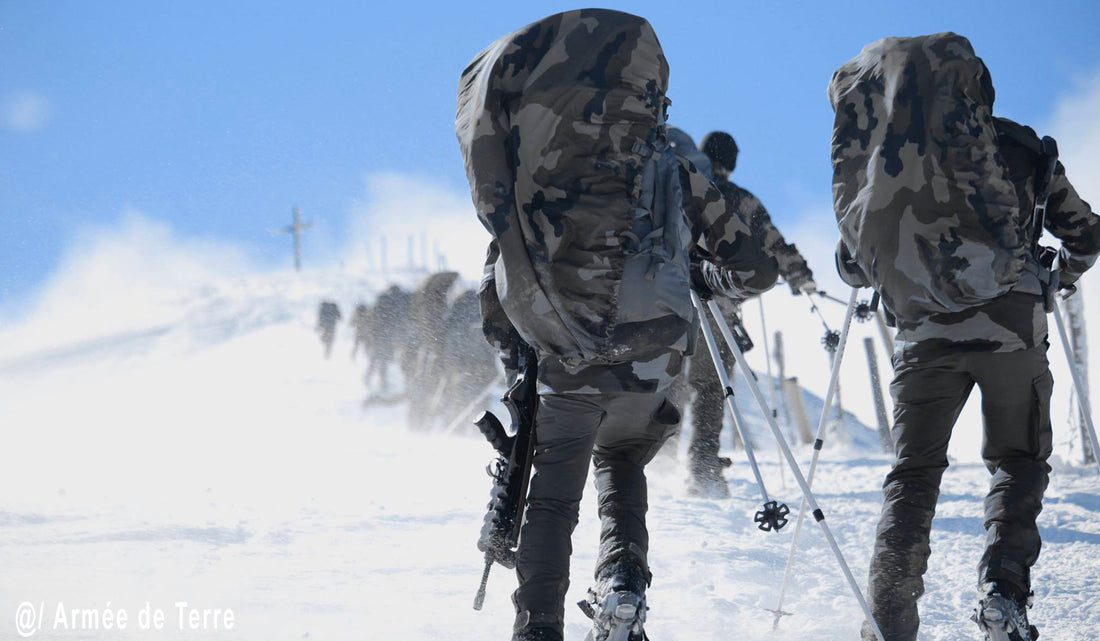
[(922, 197), (562, 130), (685, 147)]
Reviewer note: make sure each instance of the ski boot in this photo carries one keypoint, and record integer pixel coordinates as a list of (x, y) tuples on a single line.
[(617, 604), (1003, 617)]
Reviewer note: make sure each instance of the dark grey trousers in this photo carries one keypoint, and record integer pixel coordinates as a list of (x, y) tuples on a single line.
[(928, 397), (708, 406), (706, 415), (620, 433)]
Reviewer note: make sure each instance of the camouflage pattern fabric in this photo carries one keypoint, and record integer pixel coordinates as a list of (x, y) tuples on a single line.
[(1069, 218), (921, 195), (557, 122), (792, 265), (1017, 320)]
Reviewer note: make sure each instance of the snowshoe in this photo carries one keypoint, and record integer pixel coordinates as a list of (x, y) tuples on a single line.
[(1003, 618), (617, 605)]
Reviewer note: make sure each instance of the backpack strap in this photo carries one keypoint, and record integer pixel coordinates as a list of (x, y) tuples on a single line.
[(1046, 151)]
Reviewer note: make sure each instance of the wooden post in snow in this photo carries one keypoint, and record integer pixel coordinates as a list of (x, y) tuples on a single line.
[(295, 228), (880, 402), (1075, 327)]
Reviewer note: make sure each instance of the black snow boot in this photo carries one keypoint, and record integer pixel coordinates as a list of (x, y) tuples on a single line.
[(617, 604), (537, 634), (531, 626), (1002, 615)]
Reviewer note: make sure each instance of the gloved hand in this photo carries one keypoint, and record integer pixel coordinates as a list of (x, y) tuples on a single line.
[(801, 282), (798, 275), (849, 270), (698, 280)]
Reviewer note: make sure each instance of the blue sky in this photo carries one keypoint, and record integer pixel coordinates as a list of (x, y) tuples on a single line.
[(214, 118)]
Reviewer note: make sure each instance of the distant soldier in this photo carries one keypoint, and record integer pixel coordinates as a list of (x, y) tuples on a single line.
[(462, 364), (721, 149), (328, 314), (388, 330), (360, 324), (425, 321)]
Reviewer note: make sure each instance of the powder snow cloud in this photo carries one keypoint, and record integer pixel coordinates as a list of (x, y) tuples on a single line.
[(409, 214)]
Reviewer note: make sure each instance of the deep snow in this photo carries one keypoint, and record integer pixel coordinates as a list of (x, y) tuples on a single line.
[(208, 453)]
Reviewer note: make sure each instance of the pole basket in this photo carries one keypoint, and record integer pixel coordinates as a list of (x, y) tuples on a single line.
[(773, 517), (863, 311)]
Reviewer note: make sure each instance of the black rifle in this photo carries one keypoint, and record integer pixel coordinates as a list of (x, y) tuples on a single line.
[(511, 471)]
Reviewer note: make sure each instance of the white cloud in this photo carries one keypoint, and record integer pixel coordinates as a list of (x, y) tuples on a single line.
[(408, 215), (26, 111), (1076, 126)]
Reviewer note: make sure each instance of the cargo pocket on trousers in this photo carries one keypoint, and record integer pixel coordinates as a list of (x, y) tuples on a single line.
[(665, 423), (1042, 436)]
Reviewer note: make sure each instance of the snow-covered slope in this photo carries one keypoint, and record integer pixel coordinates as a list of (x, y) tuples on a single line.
[(208, 454)]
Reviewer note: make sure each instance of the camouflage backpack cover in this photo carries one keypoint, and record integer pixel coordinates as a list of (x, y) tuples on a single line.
[(923, 199), (561, 126)]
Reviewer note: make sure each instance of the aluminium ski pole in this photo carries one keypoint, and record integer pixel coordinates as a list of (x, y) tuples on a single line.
[(1082, 398), (819, 441), (831, 337), (773, 516), (867, 311), (807, 493)]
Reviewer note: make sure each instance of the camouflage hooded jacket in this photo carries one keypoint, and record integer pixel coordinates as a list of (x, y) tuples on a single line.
[(935, 201), (792, 265), (554, 121), (923, 202)]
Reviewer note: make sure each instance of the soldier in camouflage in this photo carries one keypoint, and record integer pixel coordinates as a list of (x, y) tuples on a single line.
[(360, 325), (561, 126), (388, 333), (934, 197), (328, 314), (719, 157), (721, 149)]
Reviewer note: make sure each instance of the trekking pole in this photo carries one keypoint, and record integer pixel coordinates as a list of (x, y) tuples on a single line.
[(831, 337), (461, 417), (807, 493), (1082, 399), (773, 516), (867, 311), (818, 443), (771, 380)]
